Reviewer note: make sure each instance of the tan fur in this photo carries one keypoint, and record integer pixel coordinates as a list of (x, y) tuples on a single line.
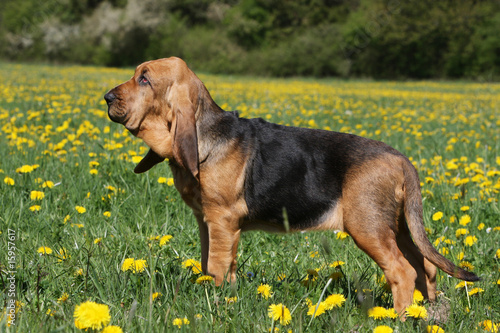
[(222, 193), (332, 220), (373, 201)]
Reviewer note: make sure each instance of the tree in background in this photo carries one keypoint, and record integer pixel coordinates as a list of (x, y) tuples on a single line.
[(377, 38)]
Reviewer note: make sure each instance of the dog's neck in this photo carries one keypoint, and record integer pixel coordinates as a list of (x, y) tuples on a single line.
[(213, 127)]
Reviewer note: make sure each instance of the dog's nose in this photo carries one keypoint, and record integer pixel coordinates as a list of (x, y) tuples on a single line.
[(109, 97)]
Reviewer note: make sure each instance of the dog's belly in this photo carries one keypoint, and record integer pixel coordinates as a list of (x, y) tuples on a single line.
[(328, 219)]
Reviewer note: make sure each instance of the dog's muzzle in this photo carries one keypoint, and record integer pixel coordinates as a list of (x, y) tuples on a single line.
[(110, 97)]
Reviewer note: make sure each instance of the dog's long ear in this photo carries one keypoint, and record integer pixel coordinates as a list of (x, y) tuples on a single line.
[(185, 143), (149, 161)]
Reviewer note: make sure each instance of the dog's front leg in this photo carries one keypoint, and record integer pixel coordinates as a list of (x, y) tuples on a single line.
[(223, 238), (202, 226)]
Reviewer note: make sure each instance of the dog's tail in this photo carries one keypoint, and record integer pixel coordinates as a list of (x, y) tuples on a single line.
[(414, 219)]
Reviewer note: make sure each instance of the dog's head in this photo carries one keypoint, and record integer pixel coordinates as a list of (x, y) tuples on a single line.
[(158, 104)]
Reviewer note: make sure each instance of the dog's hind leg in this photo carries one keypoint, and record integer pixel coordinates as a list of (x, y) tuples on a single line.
[(399, 272), (372, 202), (426, 271)]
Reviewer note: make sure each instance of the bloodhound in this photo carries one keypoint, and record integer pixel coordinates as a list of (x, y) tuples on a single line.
[(241, 174)]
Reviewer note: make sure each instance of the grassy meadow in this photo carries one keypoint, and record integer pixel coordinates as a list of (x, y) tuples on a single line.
[(77, 225)]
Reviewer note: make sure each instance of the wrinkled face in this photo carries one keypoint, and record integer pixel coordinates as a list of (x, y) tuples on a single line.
[(130, 102), (155, 105)]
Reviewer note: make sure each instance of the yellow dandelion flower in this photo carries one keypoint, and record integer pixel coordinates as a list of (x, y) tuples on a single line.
[(110, 188), (180, 321), (79, 325), (391, 313), (35, 208), (194, 264), (156, 295), (140, 265), (26, 169), (437, 216), (92, 315), (461, 231), (48, 184), (264, 290), (231, 300), (106, 214), (170, 181), (481, 226), (136, 159), (464, 220), (334, 301), (9, 181), (165, 239), (93, 164), (44, 250), (470, 240), (94, 171), (177, 322), (489, 326), (379, 312), (37, 195), (474, 291), (204, 280), (337, 263), (434, 329), (64, 297), (342, 235), (112, 329), (497, 254), (451, 165), (416, 311), (279, 312), (462, 284), (162, 180), (383, 329), (429, 180), (98, 240), (417, 297), (80, 209), (316, 310), (466, 264), (128, 264)]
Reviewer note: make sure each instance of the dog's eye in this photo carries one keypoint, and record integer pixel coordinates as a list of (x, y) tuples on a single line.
[(143, 80)]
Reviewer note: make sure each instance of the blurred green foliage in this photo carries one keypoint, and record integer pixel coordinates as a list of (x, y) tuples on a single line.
[(377, 38)]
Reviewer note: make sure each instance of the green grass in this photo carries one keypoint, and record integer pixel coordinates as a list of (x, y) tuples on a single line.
[(55, 117)]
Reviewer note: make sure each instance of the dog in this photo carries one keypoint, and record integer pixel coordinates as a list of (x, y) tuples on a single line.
[(239, 174)]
